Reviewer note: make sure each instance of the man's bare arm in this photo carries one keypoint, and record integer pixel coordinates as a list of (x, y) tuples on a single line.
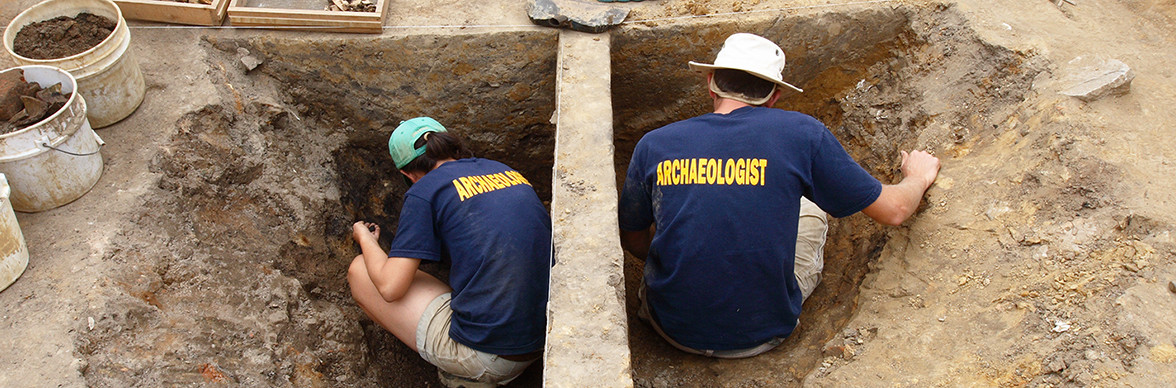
[(899, 201)]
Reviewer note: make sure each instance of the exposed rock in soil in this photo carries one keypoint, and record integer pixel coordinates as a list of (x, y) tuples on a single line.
[(250, 61), (62, 36), (579, 15), (1099, 78)]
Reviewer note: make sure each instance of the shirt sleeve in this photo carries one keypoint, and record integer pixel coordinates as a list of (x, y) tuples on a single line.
[(416, 236), (635, 209), (840, 185)]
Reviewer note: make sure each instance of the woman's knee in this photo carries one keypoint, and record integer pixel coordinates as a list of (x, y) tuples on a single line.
[(357, 270)]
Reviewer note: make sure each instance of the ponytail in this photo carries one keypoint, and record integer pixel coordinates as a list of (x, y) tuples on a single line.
[(438, 146)]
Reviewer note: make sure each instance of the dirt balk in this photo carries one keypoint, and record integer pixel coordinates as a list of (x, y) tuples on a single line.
[(62, 36), (24, 103)]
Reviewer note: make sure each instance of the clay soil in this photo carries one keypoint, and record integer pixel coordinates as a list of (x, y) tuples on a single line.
[(62, 36), (213, 249)]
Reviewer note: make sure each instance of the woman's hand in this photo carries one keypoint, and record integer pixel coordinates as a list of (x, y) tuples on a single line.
[(363, 230)]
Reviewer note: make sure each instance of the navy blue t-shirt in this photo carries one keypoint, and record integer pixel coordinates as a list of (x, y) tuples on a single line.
[(724, 193), (488, 220)]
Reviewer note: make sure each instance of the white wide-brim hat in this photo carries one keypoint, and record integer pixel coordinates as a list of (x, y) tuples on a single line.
[(751, 53)]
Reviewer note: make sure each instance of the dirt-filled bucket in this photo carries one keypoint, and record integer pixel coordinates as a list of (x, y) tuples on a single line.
[(56, 160), (14, 254), (108, 75)]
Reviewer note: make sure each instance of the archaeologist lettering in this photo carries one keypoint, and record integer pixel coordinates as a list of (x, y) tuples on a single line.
[(737, 201), (486, 220)]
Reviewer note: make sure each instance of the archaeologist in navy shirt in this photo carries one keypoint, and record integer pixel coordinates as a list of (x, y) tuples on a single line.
[(728, 209), (487, 325)]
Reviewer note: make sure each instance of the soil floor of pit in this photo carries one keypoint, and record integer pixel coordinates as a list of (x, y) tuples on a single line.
[(1042, 257)]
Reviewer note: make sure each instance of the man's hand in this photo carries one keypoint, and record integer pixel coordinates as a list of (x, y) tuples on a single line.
[(365, 230), (899, 201), (920, 165)]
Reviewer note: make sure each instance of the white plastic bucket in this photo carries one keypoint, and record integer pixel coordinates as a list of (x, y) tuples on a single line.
[(14, 254), (55, 161), (108, 75)]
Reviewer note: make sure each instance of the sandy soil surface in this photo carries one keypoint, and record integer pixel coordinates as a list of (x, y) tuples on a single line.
[(211, 252)]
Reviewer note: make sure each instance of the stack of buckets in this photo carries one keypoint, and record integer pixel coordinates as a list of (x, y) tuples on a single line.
[(57, 160)]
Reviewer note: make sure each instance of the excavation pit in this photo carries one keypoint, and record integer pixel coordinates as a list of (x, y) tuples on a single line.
[(258, 195), (865, 75), (259, 192), (500, 105)]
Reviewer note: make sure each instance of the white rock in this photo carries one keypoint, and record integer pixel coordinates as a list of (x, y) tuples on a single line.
[(1094, 79)]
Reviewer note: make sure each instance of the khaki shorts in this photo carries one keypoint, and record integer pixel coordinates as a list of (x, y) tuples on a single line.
[(436, 347), (810, 260), (811, 230)]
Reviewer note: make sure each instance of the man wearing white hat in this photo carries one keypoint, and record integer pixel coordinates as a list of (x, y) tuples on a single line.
[(728, 208)]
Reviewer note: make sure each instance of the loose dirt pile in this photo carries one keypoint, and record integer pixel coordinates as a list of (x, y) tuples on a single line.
[(24, 103), (62, 36)]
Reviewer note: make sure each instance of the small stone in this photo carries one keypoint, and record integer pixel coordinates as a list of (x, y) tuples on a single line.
[(1061, 326), (1057, 365), (849, 353), (835, 351), (90, 323), (251, 62), (1098, 79), (996, 211), (34, 107), (1172, 286), (579, 15)]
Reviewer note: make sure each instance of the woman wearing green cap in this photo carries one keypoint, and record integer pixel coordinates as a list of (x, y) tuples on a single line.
[(487, 325)]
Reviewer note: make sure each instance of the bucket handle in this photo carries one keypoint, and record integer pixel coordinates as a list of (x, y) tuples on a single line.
[(101, 143)]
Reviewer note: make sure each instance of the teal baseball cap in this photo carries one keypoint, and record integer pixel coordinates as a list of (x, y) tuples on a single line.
[(400, 144)]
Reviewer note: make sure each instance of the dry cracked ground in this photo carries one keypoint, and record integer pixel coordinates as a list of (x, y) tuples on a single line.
[(212, 250)]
